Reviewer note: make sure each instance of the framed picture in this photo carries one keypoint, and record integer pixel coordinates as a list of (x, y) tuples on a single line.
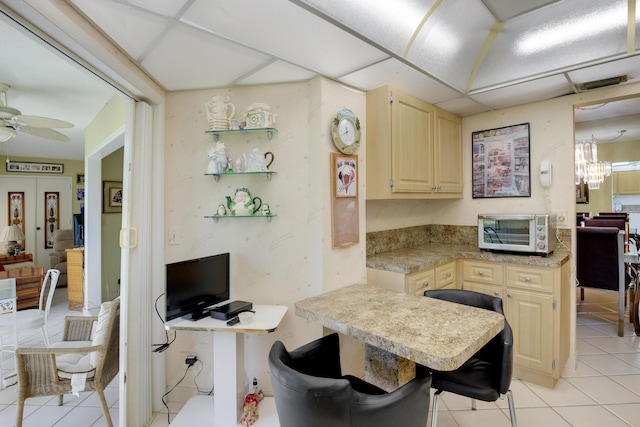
[(111, 197), (344, 175), (31, 167), (80, 193), (80, 179), (582, 192), (501, 163)]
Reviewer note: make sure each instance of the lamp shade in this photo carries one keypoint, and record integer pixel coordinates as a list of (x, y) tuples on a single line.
[(11, 233)]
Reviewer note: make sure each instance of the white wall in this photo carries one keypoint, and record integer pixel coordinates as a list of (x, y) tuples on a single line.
[(277, 262)]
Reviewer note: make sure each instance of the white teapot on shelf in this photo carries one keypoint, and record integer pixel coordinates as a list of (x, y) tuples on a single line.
[(219, 160), (256, 160)]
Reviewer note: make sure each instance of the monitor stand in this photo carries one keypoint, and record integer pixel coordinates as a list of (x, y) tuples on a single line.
[(197, 315)]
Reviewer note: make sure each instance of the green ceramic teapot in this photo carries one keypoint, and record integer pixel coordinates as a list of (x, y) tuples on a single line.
[(242, 203)]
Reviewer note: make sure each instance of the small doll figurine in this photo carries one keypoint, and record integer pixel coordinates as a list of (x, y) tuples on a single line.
[(221, 210)]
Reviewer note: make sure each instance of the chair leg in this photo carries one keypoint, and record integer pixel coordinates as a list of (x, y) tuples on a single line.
[(105, 408), (621, 296), (581, 294), (45, 336), (19, 412), (473, 405), (434, 408), (512, 409)]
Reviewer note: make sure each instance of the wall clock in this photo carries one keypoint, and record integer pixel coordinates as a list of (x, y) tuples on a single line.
[(345, 131)]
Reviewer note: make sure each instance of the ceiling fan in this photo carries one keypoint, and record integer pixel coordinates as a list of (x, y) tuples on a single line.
[(13, 121)]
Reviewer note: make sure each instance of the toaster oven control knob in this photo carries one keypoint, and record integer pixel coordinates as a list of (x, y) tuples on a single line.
[(542, 236), (541, 245)]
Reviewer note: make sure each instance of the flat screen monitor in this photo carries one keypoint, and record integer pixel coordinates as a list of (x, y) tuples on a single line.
[(196, 284), (78, 230)]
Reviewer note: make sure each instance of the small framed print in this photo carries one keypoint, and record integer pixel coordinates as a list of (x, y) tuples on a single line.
[(344, 175), (111, 197)]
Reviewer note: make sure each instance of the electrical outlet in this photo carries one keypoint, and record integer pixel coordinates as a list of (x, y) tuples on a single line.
[(562, 220)]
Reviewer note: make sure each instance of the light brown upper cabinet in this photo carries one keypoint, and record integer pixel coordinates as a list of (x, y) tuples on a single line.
[(626, 182), (414, 149)]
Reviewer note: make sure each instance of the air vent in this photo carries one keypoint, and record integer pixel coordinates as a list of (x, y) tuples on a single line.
[(601, 83)]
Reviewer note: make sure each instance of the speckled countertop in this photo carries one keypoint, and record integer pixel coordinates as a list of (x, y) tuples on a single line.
[(423, 257), (433, 333)]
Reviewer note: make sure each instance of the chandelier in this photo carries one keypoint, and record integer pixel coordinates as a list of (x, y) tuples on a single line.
[(588, 168)]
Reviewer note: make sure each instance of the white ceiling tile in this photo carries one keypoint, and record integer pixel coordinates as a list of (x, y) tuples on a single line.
[(524, 93), (286, 31), (401, 76), (463, 106), (188, 59), (506, 9), (277, 72), (626, 66), (164, 7), (133, 30)]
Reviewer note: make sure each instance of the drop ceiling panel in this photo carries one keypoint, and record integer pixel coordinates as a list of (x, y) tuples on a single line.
[(285, 31), (463, 106), (555, 38), (207, 62), (449, 43), (390, 24), (131, 28), (532, 91), (507, 9), (277, 72), (402, 76), (627, 66)]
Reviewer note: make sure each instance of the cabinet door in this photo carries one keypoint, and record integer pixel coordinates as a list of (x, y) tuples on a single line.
[(531, 317), (412, 144), (447, 152), (627, 182)]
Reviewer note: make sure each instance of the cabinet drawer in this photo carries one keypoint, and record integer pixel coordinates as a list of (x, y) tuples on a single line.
[(419, 282), (493, 290), (483, 272), (530, 278), (446, 276)]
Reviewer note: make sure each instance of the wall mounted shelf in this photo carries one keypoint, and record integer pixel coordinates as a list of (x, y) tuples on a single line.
[(216, 176), (218, 133), (215, 218)]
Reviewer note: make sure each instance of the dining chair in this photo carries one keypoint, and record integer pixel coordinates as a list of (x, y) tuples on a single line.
[(90, 347), (35, 317), (600, 263), (310, 391), (8, 308), (487, 374)]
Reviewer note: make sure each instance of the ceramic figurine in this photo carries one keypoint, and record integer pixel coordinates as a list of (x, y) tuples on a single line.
[(219, 160), (265, 209), (221, 210)]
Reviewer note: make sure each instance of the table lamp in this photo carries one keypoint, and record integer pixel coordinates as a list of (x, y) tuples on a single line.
[(11, 234)]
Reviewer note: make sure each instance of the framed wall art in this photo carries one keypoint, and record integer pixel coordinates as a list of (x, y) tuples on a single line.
[(344, 200), (501, 162), (111, 197), (31, 167)]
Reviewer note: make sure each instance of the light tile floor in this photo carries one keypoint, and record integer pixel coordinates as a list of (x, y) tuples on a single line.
[(603, 390)]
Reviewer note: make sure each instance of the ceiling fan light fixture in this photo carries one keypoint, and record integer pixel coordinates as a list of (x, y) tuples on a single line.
[(595, 84), (7, 133)]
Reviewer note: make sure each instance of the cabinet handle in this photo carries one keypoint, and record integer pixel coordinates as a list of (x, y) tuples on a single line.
[(424, 284), (496, 293), (527, 279), (448, 275), (480, 273), (509, 295)]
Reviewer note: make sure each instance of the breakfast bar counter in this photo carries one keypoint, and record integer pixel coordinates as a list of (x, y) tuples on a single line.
[(401, 329)]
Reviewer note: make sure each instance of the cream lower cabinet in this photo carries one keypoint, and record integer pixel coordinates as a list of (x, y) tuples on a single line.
[(537, 310), (440, 277)]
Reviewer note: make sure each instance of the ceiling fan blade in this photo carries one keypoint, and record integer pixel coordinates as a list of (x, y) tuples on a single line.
[(44, 133), (42, 122)]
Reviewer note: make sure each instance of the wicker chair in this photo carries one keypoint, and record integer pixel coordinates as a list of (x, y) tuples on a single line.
[(48, 371)]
